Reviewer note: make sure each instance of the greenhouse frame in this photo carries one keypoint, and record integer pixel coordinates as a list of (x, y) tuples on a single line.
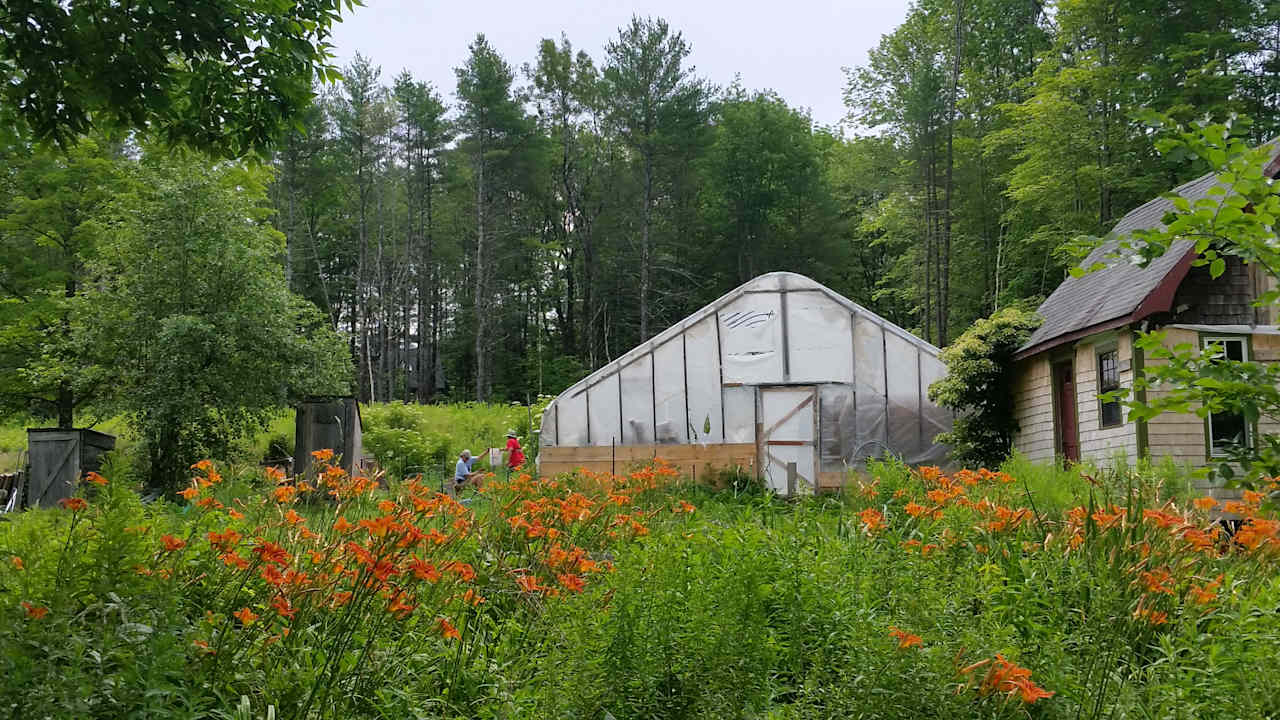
[(781, 377)]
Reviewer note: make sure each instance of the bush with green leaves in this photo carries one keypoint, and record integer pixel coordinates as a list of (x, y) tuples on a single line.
[(979, 386), (192, 312)]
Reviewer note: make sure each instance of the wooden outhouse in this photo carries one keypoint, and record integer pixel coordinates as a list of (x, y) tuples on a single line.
[(59, 458), (331, 423)]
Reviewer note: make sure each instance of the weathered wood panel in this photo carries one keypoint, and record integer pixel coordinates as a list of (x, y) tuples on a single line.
[(1177, 436), (1033, 408), (693, 460)]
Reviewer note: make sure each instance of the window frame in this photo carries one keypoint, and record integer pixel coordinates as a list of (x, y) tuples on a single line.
[(1097, 358), (1245, 343)]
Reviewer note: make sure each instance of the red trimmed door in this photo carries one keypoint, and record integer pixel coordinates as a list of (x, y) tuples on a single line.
[(1064, 383)]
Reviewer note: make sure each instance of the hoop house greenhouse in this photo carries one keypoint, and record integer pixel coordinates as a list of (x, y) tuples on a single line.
[(782, 376)]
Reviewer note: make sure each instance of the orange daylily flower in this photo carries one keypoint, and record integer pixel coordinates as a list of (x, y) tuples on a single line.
[(231, 559), (172, 544), (283, 607), (94, 478), (342, 526), (271, 553), (17, 563), (448, 631), (1157, 581), (245, 616), (872, 519), (224, 540), (399, 608), (528, 583), (465, 572), (35, 612), (293, 518), (272, 575), (905, 639), (1155, 617), (1207, 594), (379, 526), (1205, 503), (423, 570), (323, 456), (189, 493), (571, 582), (74, 504), (1009, 678)]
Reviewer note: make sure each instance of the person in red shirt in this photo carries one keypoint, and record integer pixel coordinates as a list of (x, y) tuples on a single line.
[(515, 456)]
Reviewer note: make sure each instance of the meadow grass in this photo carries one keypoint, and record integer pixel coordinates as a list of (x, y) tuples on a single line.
[(914, 594)]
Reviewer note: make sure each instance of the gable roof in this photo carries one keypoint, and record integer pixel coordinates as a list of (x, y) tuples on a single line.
[(769, 282), (1124, 291)]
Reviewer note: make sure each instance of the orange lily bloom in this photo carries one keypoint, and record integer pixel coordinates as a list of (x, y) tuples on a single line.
[(35, 612)]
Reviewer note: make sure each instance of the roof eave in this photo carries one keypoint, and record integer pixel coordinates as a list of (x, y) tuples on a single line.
[(1159, 300)]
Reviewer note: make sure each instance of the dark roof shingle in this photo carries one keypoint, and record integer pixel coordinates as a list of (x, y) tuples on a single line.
[(1119, 289)]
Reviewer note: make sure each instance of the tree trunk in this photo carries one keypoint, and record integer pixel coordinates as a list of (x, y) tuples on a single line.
[(482, 365), (944, 267), (644, 246)]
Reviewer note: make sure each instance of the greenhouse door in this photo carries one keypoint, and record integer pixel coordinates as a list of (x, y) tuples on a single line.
[(788, 427)]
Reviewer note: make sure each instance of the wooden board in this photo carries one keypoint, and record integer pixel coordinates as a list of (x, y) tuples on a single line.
[(693, 460)]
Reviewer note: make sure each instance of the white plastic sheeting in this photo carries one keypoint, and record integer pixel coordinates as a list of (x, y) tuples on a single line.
[(702, 359), (604, 412), (740, 414), (637, 401), (705, 379), (751, 338), (819, 348), (668, 392)]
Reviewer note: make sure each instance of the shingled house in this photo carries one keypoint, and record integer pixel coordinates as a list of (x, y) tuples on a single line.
[(1086, 347)]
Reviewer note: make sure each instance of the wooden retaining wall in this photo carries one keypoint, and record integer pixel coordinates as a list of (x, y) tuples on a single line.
[(693, 460)]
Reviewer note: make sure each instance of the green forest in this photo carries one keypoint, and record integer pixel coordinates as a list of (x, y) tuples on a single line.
[(497, 239)]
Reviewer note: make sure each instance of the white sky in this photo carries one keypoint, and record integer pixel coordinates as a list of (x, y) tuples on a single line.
[(795, 47)]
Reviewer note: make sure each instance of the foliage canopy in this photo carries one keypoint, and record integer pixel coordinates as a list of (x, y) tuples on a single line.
[(979, 386)]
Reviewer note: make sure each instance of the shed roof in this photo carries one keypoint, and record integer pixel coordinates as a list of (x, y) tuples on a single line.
[(1123, 291)]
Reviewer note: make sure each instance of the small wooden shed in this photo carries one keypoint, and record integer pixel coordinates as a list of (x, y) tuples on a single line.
[(59, 458), (328, 423)]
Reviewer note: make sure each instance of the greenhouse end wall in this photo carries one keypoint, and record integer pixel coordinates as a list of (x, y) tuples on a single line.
[(782, 377)]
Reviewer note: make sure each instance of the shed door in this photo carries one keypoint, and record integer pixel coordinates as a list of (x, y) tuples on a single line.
[(788, 420)]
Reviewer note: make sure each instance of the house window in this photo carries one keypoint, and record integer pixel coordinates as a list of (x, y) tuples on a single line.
[(1110, 413), (1228, 428)]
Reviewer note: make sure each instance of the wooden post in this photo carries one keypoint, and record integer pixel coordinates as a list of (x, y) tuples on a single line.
[(791, 479), (613, 456)]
